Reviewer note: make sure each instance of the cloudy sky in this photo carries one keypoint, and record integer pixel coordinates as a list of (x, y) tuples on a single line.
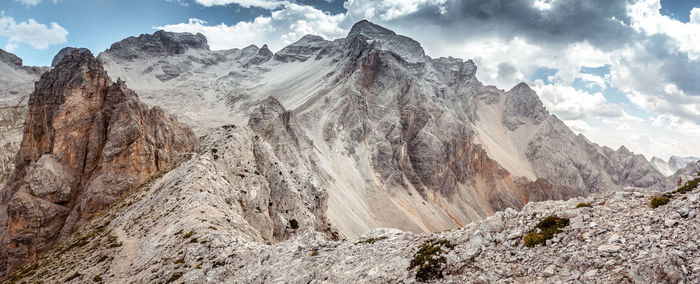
[(622, 72)]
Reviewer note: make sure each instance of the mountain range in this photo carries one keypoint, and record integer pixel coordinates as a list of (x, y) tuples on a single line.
[(674, 164), (321, 140)]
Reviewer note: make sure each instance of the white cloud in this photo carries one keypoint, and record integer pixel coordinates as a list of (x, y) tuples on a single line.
[(266, 4), (37, 35), (281, 28), (387, 10), (29, 3), (647, 18), (10, 47), (543, 5), (593, 80), (572, 104)]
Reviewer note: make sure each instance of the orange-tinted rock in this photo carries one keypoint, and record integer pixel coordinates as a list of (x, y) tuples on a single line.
[(87, 141)]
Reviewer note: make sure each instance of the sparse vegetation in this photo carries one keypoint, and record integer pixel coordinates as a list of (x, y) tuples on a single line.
[(97, 278), (659, 200), (545, 230), (371, 240), (314, 252), (294, 224), (690, 185), (180, 260), (429, 259), (583, 204), (188, 235)]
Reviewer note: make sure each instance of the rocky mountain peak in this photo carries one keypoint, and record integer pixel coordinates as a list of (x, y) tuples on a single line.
[(87, 141), (302, 49), (263, 55), (387, 40), (63, 52), (523, 103), (369, 29), (10, 58), (160, 43)]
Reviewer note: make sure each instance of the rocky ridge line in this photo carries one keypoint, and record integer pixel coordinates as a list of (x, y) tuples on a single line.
[(613, 237)]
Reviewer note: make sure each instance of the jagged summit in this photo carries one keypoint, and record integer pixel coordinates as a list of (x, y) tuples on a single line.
[(10, 58), (63, 52), (160, 43), (368, 28), (387, 40)]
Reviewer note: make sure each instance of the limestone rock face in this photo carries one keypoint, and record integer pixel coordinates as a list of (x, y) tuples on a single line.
[(16, 83), (160, 43), (87, 141), (303, 49), (63, 52), (10, 58)]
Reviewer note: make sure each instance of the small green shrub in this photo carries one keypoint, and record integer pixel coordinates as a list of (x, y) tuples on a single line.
[(429, 259), (188, 235), (97, 278), (180, 260), (690, 185), (659, 200), (371, 240), (583, 204), (548, 227), (314, 253)]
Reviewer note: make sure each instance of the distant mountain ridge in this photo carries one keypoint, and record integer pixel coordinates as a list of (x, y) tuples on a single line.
[(673, 164)]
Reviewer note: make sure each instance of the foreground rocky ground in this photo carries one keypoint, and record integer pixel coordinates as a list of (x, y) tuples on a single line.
[(618, 239)]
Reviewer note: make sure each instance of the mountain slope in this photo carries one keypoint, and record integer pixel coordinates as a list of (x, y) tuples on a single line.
[(407, 141), (86, 142), (193, 236)]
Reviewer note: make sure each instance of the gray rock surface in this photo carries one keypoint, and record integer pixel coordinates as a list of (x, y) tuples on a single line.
[(63, 52), (181, 229), (160, 43), (403, 139), (16, 83)]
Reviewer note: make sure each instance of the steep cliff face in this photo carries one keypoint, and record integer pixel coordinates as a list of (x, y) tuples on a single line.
[(86, 142), (16, 83)]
